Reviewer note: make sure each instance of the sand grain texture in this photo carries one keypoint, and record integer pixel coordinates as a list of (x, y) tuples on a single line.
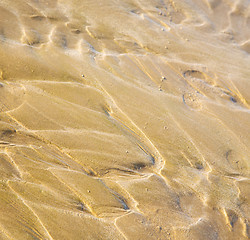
[(124, 119)]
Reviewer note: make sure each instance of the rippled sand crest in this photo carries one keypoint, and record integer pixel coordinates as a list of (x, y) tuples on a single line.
[(124, 119)]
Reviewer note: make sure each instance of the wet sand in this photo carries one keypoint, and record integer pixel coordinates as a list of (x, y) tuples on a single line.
[(124, 119)]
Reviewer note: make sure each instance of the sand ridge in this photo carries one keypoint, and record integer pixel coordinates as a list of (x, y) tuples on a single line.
[(124, 119)]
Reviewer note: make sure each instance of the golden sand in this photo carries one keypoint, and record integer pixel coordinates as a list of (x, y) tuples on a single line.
[(124, 119)]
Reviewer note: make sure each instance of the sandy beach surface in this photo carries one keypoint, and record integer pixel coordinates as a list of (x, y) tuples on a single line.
[(124, 119)]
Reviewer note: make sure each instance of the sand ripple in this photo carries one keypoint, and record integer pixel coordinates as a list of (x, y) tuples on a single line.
[(124, 119)]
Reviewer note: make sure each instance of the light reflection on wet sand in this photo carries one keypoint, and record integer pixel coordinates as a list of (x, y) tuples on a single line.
[(124, 119)]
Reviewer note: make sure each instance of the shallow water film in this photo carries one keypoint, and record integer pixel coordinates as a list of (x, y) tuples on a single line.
[(124, 119)]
